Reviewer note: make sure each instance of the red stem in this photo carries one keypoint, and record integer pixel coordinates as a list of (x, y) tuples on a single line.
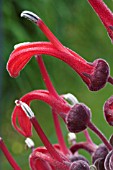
[(52, 90), (102, 10), (45, 76), (100, 135), (83, 145), (51, 36), (45, 141), (110, 80), (8, 156), (88, 138), (59, 133)]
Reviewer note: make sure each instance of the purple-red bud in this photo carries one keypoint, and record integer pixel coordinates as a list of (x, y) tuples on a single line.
[(100, 75), (108, 111), (78, 158), (79, 165), (99, 156), (100, 152), (78, 118), (108, 161)]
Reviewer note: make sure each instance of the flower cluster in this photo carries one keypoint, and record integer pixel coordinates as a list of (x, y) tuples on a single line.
[(76, 116)]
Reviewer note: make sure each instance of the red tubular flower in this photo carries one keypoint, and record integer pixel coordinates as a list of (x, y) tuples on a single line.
[(105, 15), (95, 74), (23, 120), (40, 158), (51, 156)]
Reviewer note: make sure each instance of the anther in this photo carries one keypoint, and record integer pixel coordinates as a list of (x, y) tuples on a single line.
[(25, 108), (30, 16)]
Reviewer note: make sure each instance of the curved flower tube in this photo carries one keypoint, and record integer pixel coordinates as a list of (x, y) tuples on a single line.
[(105, 15), (95, 74), (51, 155), (23, 120), (41, 158)]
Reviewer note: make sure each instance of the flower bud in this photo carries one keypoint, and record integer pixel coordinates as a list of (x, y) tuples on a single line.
[(99, 164), (100, 152), (78, 118), (100, 75), (78, 158), (99, 156), (108, 161), (79, 165), (108, 111)]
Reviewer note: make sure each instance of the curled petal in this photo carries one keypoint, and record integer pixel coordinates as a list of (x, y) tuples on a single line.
[(24, 126)]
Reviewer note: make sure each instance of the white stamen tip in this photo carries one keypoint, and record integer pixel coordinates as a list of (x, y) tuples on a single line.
[(20, 44), (71, 136), (71, 98), (25, 108), (30, 15), (29, 142), (92, 167), (17, 103)]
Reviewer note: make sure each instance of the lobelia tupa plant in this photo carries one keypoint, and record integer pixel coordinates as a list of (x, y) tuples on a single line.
[(76, 115)]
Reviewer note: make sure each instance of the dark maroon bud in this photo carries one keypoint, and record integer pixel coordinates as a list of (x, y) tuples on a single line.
[(107, 163), (111, 162), (78, 118), (111, 140), (100, 75), (79, 165), (108, 111), (77, 158), (99, 163), (100, 153)]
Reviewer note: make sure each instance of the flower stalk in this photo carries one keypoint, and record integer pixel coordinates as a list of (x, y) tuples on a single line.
[(55, 155), (8, 155), (105, 15), (100, 135)]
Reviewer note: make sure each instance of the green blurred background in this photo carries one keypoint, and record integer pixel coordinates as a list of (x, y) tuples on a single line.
[(77, 26)]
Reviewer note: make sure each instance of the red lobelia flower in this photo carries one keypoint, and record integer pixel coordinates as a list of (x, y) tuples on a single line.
[(23, 121), (94, 74), (105, 15), (51, 156)]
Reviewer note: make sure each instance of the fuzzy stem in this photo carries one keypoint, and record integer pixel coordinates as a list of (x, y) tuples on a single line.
[(83, 145), (100, 135), (101, 9), (110, 80), (52, 90), (88, 138), (45, 76), (8, 155), (51, 36), (44, 139), (59, 133)]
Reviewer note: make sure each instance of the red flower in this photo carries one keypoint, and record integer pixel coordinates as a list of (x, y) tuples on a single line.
[(23, 120), (95, 74), (105, 15), (50, 157), (41, 159)]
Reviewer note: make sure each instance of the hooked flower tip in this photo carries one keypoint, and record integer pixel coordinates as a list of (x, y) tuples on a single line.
[(30, 16), (25, 108), (20, 44)]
